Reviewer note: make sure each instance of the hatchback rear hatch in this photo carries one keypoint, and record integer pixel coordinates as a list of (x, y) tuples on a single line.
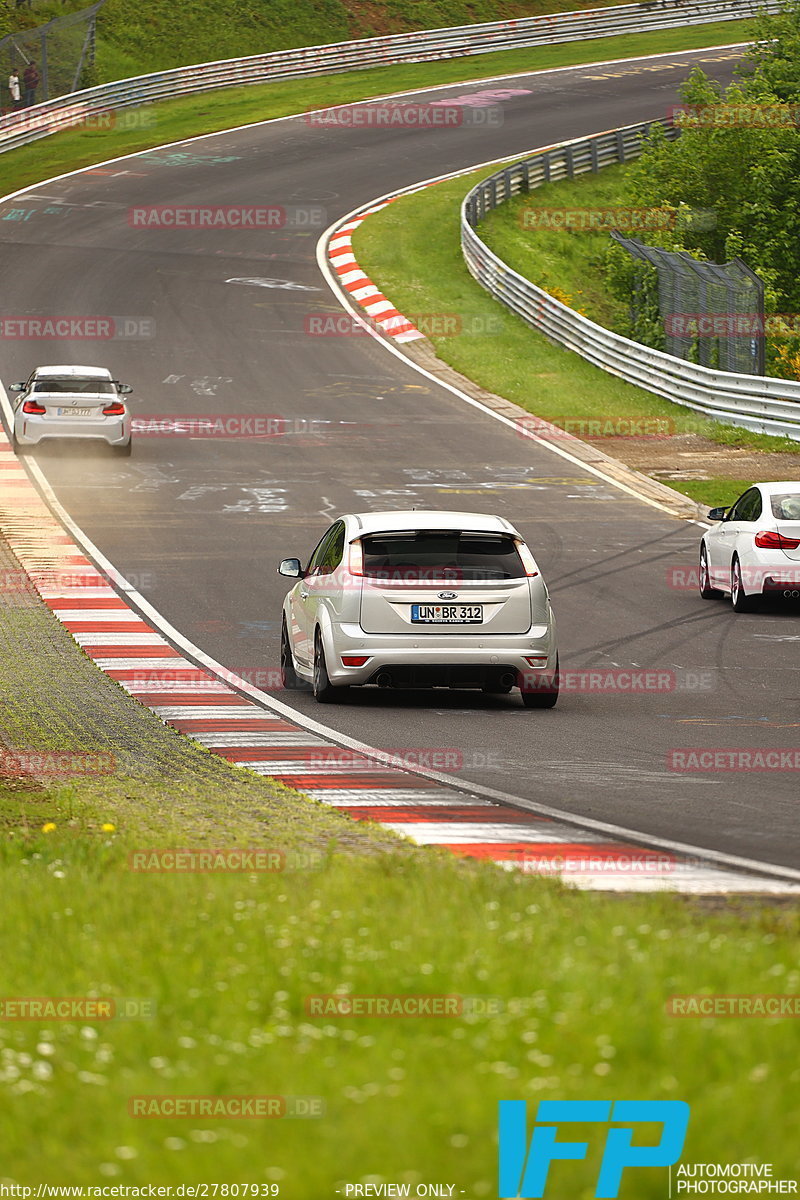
[(443, 582)]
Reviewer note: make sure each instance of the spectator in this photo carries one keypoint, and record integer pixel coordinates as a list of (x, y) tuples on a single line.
[(30, 77), (14, 89)]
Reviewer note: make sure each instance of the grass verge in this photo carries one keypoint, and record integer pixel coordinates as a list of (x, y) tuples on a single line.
[(191, 116), (558, 994), (412, 251)]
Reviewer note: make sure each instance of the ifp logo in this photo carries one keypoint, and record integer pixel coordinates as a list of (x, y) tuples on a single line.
[(524, 1169)]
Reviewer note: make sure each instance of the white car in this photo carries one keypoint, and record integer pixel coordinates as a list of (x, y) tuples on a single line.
[(68, 402), (420, 599), (753, 550)]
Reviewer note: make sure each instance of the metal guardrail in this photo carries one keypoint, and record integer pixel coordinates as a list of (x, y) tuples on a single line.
[(19, 129), (757, 403)]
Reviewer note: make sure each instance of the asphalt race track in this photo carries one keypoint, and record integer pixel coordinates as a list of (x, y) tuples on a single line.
[(198, 524)]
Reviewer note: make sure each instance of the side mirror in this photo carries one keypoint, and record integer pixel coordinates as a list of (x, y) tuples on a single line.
[(124, 389), (291, 567), (717, 514), (18, 387)]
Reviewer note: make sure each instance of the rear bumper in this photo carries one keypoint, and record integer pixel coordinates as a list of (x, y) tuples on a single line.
[(783, 584), (32, 431), (452, 662)]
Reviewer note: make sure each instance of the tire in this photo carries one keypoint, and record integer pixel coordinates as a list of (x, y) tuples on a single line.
[(742, 603), (542, 697), (706, 590), (19, 450), (324, 691), (124, 451), (290, 680)]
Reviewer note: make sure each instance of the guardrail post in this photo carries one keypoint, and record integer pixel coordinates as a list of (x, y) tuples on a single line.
[(594, 155), (569, 161), (620, 146)]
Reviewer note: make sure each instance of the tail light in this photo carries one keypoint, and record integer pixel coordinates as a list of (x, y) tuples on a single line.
[(535, 660), (527, 559), (354, 660), (355, 560), (33, 407), (115, 409), (770, 539)]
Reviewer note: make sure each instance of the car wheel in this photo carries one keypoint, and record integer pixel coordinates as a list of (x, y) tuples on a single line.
[(541, 697), (324, 691), (124, 451), (706, 590), (19, 450), (741, 601), (289, 677)]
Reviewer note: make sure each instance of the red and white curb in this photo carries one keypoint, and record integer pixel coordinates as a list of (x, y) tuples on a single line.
[(199, 703), (381, 312)]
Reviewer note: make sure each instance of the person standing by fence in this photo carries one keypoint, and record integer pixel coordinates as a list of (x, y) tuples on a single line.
[(14, 89), (30, 77)]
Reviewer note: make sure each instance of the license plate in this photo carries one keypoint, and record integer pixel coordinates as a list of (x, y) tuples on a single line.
[(74, 412), (446, 614)]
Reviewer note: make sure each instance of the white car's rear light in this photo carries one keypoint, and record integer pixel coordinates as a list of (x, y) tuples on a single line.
[(527, 559), (769, 539), (355, 560)]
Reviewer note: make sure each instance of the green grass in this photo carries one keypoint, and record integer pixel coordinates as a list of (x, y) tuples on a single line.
[(225, 963), (713, 492), (412, 250), (558, 259), (133, 39), (571, 987), (176, 119)]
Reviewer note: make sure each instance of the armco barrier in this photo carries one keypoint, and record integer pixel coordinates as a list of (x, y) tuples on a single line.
[(18, 129), (759, 404)]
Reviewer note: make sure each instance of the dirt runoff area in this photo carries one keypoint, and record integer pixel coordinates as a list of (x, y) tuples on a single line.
[(687, 456)]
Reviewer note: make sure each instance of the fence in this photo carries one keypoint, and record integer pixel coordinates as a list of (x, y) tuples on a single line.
[(60, 50), (22, 128), (754, 402), (689, 288)]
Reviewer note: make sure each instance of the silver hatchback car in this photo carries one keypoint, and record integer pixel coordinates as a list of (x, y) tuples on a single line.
[(69, 402), (420, 599)]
